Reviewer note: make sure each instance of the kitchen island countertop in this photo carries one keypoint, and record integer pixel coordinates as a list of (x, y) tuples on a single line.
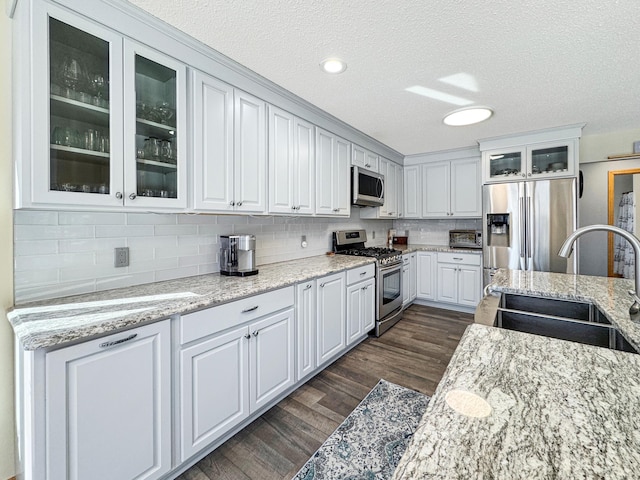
[(59, 321), (559, 410)]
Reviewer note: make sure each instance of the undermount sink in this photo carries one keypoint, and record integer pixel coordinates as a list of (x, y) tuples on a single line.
[(564, 319)]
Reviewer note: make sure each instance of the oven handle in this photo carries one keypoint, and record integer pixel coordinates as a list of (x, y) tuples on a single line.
[(386, 268)]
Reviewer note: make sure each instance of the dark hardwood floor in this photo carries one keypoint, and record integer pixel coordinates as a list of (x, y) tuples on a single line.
[(414, 353)]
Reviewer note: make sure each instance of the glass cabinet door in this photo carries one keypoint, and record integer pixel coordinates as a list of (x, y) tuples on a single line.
[(155, 99), (75, 80), (551, 160), (505, 165)]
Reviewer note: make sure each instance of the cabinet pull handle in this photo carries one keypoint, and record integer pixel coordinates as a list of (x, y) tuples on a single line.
[(232, 203), (322, 285), (308, 287), (363, 273), (250, 309), (118, 342), (239, 203), (247, 336), (255, 334), (132, 196), (119, 195), (336, 209), (457, 258)]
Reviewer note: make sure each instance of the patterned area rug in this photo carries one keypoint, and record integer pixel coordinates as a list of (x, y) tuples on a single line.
[(369, 443)]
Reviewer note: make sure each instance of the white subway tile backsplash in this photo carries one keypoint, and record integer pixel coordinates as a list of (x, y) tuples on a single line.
[(64, 253), (175, 229), (35, 217), (91, 218), (35, 247), (120, 231), (176, 273)]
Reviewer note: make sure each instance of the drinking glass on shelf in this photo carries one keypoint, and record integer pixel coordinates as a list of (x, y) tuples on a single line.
[(165, 112), (97, 83), (152, 148), (71, 73), (57, 136)]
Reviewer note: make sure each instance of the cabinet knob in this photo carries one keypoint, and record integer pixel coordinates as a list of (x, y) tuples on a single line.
[(119, 195), (391, 213), (132, 196), (255, 334), (239, 203), (322, 285), (308, 287), (247, 336), (336, 209), (523, 175), (232, 203)]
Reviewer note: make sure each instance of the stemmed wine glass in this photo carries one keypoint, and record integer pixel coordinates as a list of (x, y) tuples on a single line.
[(71, 74), (97, 83)]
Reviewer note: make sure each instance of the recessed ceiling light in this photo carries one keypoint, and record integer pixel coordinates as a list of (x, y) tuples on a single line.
[(467, 116), (333, 65)]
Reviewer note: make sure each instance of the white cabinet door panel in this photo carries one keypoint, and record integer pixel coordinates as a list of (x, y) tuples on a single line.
[(466, 188), (324, 172), (469, 285), (213, 373), (331, 317), (447, 283), (354, 313), (342, 177), (250, 153), (426, 288), (412, 192), (435, 190), (213, 143), (304, 182), (369, 306), (271, 357), (306, 328), (281, 161), (108, 406)]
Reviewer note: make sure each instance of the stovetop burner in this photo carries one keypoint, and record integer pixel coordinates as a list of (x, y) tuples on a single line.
[(352, 243)]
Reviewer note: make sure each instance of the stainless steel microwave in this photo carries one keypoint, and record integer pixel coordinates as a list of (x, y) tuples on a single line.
[(367, 188)]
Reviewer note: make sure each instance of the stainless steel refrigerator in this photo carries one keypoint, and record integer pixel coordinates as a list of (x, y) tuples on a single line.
[(525, 223)]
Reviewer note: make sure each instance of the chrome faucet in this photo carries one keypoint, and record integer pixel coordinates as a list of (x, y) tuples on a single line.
[(567, 248)]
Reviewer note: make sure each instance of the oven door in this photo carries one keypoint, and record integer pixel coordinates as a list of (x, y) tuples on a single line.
[(389, 289)]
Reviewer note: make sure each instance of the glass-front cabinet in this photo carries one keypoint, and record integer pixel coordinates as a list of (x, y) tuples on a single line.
[(107, 118), (531, 162), (155, 153)]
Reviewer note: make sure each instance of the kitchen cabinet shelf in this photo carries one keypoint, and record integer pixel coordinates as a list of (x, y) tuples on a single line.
[(80, 154), (148, 128), (157, 166), (69, 108)]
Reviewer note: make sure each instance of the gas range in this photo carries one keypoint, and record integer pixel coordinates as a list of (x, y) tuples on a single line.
[(351, 242)]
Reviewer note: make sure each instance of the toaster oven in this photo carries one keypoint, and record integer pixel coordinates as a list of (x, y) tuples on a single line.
[(465, 239)]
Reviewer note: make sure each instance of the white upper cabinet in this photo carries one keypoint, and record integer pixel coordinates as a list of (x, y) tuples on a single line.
[(451, 188), (531, 156), (110, 116), (412, 192), (229, 148), (333, 181), (155, 157), (291, 164), (361, 157)]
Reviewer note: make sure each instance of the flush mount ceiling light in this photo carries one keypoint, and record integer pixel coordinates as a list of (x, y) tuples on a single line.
[(333, 65), (467, 116)]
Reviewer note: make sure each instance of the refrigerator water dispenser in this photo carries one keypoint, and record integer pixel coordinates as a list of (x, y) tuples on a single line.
[(498, 230)]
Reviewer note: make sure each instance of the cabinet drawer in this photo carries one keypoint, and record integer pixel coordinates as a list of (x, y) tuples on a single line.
[(212, 320), (361, 273), (462, 258)]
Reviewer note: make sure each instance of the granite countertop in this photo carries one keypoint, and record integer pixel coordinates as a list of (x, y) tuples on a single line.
[(610, 295), (423, 247), (557, 410), (59, 321)]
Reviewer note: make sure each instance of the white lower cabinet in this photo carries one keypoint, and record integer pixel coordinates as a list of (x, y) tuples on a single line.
[(305, 328), (361, 315), (459, 278), (233, 372), (409, 278), (426, 275), (108, 407), (330, 317)]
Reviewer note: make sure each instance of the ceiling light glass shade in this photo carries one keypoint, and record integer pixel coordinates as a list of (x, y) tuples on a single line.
[(467, 116), (333, 65)]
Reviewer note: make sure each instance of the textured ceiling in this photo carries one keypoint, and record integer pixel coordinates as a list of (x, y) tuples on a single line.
[(537, 63)]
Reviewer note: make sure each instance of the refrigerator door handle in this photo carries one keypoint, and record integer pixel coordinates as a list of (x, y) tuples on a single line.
[(529, 235), (522, 228)]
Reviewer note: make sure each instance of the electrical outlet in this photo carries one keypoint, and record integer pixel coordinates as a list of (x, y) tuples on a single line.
[(121, 258), (373, 235)]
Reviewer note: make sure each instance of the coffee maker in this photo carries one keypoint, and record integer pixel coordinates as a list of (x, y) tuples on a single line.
[(238, 255)]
